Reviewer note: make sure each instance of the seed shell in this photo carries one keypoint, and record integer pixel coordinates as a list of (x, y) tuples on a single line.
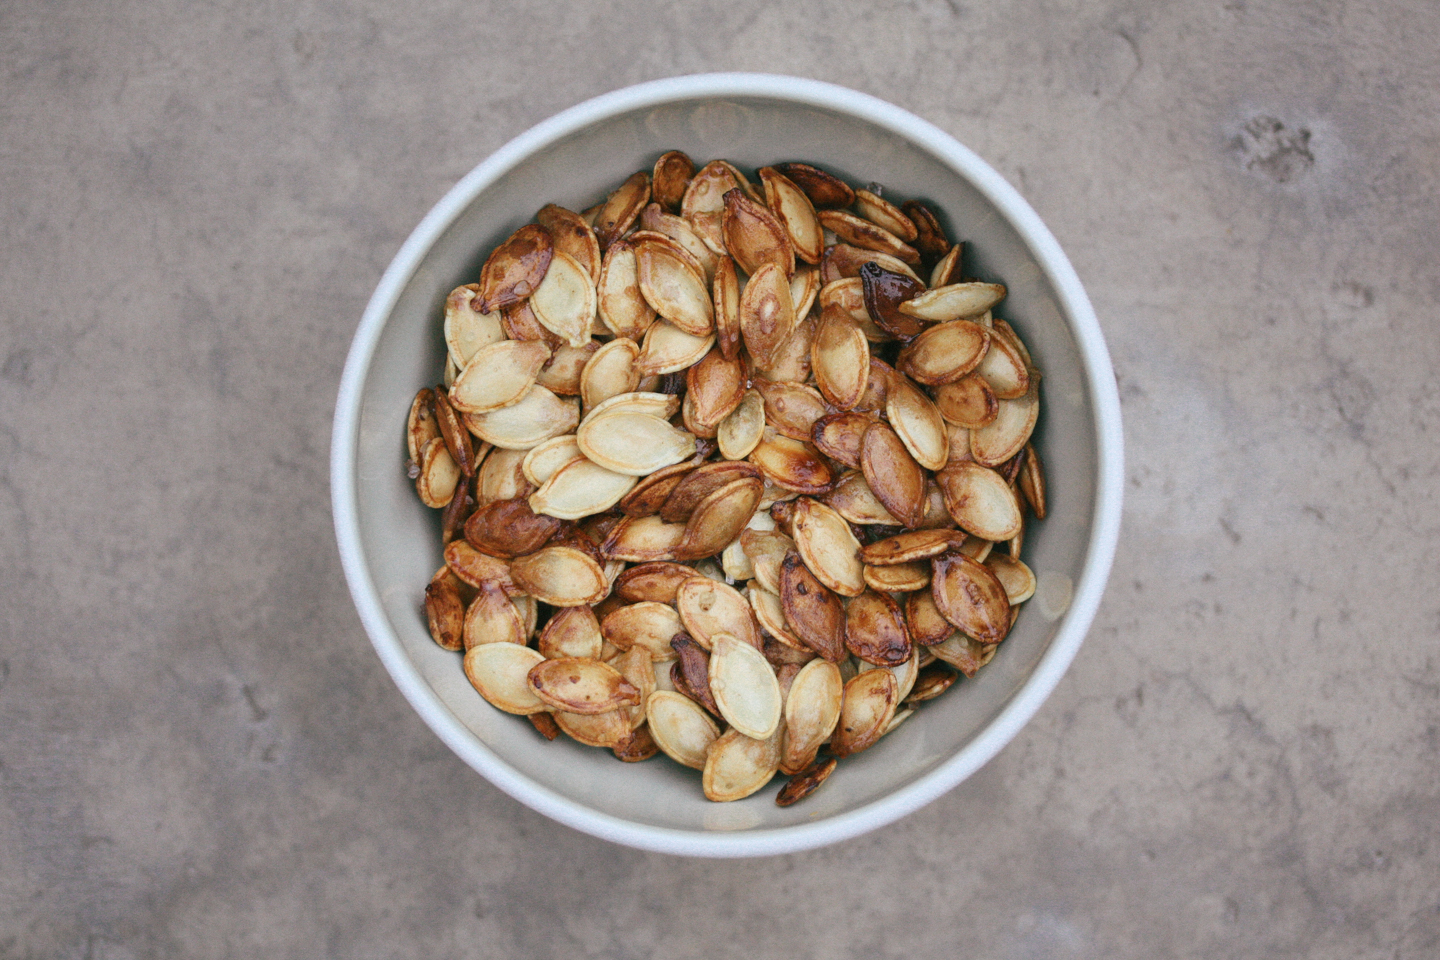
[(736, 765), (466, 329), (681, 728), (812, 610), (675, 288), (621, 306), (572, 236), (719, 518), (744, 687), (945, 352), (885, 291), (753, 235), (893, 474), (828, 547), (956, 301), (1007, 435), (535, 418), (1017, 578), (840, 359), (875, 630), (980, 501), (581, 685), (668, 349), (670, 178), (643, 539), (869, 704), (806, 782), (898, 577), (793, 209), (792, 465), (812, 708), (571, 632), (499, 671), (439, 474), (740, 432), (561, 576), (918, 423), (970, 596), (767, 314), (498, 375), (708, 608), (621, 208), (645, 624), (823, 189), (635, 444), (862, 233), (445, 611), (515, 269)]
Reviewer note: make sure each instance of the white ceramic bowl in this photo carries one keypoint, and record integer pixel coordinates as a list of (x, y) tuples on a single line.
[(389, 543)]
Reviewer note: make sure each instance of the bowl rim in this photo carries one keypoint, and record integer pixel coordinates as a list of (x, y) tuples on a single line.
[(1075, 622)]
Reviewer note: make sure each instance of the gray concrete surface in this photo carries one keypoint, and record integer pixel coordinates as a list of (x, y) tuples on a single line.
[(200, 756)]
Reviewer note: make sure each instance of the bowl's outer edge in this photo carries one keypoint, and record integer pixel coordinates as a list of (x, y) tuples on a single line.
[(1052, 665)]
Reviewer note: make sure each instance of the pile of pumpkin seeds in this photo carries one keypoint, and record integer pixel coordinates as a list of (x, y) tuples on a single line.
[(723, 469)]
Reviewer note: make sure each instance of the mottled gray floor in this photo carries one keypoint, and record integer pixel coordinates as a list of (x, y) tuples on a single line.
[(200, 756)]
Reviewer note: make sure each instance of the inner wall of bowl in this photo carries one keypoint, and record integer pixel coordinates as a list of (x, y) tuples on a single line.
[(401, 537)]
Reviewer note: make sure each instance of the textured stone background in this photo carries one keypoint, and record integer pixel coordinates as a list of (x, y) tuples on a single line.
[(200, 756)]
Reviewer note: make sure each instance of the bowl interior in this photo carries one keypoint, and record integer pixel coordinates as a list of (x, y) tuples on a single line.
[(399, 539)]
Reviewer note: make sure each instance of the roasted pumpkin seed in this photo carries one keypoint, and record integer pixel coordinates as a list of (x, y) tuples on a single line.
[(515, 269), (868, 706), (681, 728), (812, 610), (970, 596), (875, 630), (828, 547), (499, 671), (646, 624), (621, 208), (956, 301), (980, 500), (736, 765)]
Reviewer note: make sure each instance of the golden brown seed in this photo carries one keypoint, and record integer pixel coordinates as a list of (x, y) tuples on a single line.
[(643, 539), (651, 492), (645, 624), (766, 550), (853, 499), (476, 569), (812, 709), (499, 671), (452, 429), (445, 611), (828, 547), (899, 577), (498, 375), (681, 728), (638, 746), (767, 314), (980, 501), (573, 236), (621, 208), (715, 386), (493, 618), (510, 528), (823, 189), (675, 288), (571, 632), (1017, 578), (621, 306), (947, 271), (885, 215), (736, 765), (929, 237), (544, 724), (744, 687), (667, 349), (968, 402), (691, 671), (806, 782), (956, 301), (840, 359), (1032, 481), (839, 436), (709, 608), (741, 431), (581, 685), (918, 423), (933, 680), (656, 581), (892, 474), (870, 701), (535, 418), (862, 233), (945, 352), (911, 546), (791, 408), (698, 484), (608, 730), (636, 444), (580, 488), (439, 474), (704, 202), (560, 576), (421, 427), (813, 611), (1004, 369), (753, 236), (791, 360), (965, 654), (923, 619), (725, 295), (792, 465), (1007, 435), (719, 518), (971, 597), (795, 212), (520, 323), (654, 219), (843, 260), (515, 269), (466, 329), (875, 630), (670, 178)]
